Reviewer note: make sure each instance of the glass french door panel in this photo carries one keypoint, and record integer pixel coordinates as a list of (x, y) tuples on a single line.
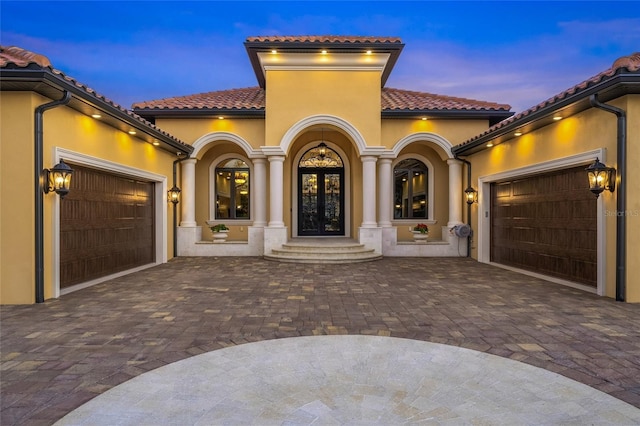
[(309, 202), (332, 204)]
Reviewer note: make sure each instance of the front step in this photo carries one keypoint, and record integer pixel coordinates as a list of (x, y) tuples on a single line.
[(323, 251)]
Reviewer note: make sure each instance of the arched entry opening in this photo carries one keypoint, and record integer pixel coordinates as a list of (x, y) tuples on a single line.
[(321, 195)]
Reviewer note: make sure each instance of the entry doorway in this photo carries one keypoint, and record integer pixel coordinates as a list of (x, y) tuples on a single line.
[(321, 193)]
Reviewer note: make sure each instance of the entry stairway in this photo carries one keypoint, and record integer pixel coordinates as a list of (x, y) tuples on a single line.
[(323, 250)]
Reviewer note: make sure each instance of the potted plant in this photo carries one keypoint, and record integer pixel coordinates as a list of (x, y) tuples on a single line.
[(420, 233), (219, 232)]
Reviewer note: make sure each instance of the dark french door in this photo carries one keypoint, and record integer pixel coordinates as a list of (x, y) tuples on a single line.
[(320, 201)]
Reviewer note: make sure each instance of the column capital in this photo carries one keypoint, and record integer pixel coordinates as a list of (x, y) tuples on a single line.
[(368, 158), (375, 151), (384, 160), (259, 160), (191, 160), (276, 158), (270, 151), (451, 161)]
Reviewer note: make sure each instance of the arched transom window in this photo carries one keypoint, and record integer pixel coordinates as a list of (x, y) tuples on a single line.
[(232, 190), (410, 190), (320, 157)]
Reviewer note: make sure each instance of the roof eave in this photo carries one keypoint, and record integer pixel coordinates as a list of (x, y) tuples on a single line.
[(46, 83), (494, 116), (153, 113), (621, 84)]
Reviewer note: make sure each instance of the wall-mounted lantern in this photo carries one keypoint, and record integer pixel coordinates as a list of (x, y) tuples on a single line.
[(601, 177), (58, 179), (471, 195), (173, 195)]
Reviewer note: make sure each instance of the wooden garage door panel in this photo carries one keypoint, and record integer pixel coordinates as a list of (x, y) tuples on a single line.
[(546, 224), (106, 226)]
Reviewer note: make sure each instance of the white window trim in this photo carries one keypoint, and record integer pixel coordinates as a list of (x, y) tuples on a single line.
[(212, 190), (430, 211), (484, 211), (160, 212)]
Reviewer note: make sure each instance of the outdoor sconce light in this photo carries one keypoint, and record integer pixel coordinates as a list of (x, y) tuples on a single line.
[(601, 177), (58, 179), (471, 195), (174, 195)]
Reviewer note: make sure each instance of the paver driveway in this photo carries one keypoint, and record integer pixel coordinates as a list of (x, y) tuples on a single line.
[(59, 354)]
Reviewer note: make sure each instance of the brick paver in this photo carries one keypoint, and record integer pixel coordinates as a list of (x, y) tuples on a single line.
[(57, 355)]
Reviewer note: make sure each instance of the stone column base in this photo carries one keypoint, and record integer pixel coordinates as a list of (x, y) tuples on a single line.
[(274, 238), (187, 238), (371, 238)]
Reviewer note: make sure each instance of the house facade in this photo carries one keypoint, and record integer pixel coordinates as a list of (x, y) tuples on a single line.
[(323, 149), (319, 150)]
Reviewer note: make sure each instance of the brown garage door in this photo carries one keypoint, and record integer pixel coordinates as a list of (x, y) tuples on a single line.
[(106, 226), (546, 224)]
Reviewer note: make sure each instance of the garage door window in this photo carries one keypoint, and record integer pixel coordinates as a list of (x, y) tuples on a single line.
[(232, 190)]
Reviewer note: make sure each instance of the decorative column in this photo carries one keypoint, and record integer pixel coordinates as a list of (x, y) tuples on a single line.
[(259, 191), (188, 201), (276, 191), (369, 191), (384, 192), (455, 192)]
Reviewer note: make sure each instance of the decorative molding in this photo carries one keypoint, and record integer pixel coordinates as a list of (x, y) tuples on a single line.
[(205, 140), (424, 137), (321, 119), (315, 61)]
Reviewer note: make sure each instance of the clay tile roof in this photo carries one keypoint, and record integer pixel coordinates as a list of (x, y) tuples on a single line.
[(631, 63), (396, 99), (253, 98), (323, 39), (21, 58), (241, 99)]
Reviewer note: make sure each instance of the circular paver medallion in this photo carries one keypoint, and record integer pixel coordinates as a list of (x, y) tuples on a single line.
[(350, 380)]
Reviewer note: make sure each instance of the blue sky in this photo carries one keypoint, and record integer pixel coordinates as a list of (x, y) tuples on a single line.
[(519, 53)]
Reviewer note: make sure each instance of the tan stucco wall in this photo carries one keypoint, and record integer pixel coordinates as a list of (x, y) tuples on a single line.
[(63, 128), (454, 131), (191, 129), (354, 96), (17, 252), (633, 197), (589, 130)]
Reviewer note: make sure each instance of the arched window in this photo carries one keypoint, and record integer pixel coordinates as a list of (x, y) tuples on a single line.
[(410, 190), (232, 190)]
